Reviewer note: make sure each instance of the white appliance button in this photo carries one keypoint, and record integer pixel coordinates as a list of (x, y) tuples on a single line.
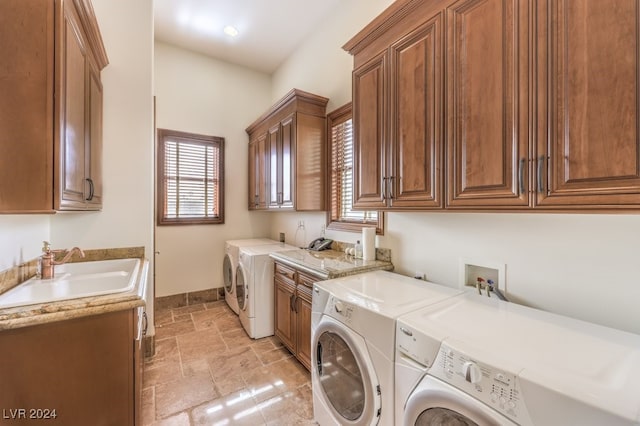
[(338, 307), (494, 397), (512, 404), (503, 400), (471, 372)]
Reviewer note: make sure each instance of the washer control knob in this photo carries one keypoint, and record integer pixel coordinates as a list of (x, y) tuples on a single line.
[(471, 372), (338, 306)]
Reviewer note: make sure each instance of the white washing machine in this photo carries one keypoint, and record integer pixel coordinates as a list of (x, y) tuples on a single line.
[(254, 288), (488, 362), (230, 264), (353, 343)]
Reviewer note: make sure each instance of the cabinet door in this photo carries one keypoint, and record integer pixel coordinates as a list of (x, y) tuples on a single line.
[(369, 157), (487, 109), (258, 172), (303, 326), (252, 193), (285, 321), (287, 159), (275, 165), (72, 149), (416, 118), (26, 106), (589, 85), (93, 142)]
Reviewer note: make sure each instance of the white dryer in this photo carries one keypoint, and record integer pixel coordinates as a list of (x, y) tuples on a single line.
[(254, 288), (484, 361), (230, 264), (353, 343)]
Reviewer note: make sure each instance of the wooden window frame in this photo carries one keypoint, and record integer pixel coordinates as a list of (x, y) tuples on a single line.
[(336, 117), (215, 141)]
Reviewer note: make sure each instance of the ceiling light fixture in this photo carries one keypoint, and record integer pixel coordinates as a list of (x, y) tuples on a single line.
[(231, 31)]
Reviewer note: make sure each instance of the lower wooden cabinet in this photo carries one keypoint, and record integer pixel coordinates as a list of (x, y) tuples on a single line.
[(293, 291), (81, 371)]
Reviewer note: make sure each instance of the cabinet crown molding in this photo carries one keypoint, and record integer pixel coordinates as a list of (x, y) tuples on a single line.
[(387, 19), (289, 98), (90, 26)]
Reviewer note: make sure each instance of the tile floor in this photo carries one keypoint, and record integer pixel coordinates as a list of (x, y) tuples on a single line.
[(207, 371)]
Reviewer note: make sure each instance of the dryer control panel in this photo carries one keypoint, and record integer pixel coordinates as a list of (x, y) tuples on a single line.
[(497, 388)]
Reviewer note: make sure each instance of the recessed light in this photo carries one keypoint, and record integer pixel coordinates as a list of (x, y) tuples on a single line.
[(231, 31)]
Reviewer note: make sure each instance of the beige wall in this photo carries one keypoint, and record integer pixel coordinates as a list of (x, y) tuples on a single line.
[(585, 266), (202, 95)]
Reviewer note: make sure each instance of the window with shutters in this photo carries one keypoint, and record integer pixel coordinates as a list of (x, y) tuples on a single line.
[(190, 178), (341, 215)]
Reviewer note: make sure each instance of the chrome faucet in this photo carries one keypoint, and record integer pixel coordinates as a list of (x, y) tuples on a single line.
[(48, 262)]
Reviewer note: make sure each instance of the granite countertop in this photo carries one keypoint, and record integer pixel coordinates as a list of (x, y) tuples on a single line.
[(23, 316), (329, 264)]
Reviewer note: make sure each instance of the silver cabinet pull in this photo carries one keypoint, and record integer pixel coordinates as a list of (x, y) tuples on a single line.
[(521, 176), (391, 187), (540, 166), (384, 188)]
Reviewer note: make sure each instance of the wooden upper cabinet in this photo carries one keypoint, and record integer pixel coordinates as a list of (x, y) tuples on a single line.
[(50, 147), (488, 103), (416, 142), (294, 132), (275, 165), (589, 94), (287, 168), (397, 114), (258, 172), (281, 171), (369, 160)]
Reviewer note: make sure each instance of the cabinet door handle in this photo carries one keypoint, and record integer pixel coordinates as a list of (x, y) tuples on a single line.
[(146, 323), (293, 296), (540, 166), (391, 187), (90, 197), (255, 200), (521, 176), (384, 188)]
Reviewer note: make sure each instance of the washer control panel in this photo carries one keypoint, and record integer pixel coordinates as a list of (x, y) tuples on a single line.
[(340, 309), (496, 388)]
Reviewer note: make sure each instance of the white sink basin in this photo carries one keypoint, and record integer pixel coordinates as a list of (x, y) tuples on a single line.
[(75, 280)]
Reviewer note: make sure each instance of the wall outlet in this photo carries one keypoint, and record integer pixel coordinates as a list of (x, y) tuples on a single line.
[(419, 275)]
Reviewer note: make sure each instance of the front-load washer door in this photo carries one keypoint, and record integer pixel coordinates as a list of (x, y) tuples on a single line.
[(434, 402), (241, 288), (227, 272), (343, 375)]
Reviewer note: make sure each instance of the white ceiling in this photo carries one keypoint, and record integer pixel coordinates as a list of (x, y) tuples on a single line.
[(270, 30)]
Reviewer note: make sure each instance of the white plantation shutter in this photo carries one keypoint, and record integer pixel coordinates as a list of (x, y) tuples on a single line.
[(341, 134), (190, 183)]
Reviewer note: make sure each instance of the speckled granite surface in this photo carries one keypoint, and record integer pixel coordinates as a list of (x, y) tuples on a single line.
[(329, 263), (23, 316)]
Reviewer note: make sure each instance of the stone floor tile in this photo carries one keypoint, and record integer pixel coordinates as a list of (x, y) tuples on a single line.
[(162, 372), (148, 406), (237, 408), (181, 419), (237, 338), (290, 408), (173, 329), (199, 344), (180, 395), (274, 379)]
